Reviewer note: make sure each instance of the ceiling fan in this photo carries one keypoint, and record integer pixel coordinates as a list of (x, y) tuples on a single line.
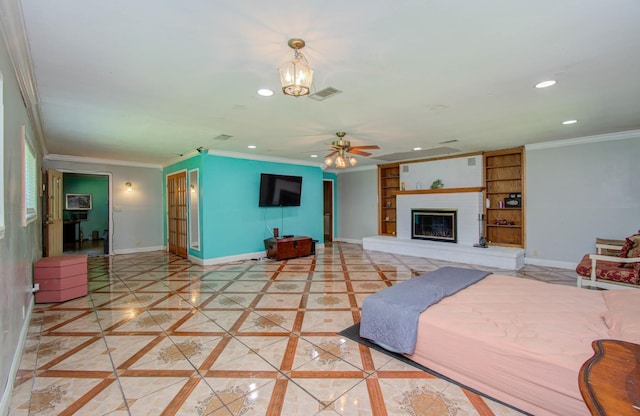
[(340, 147)]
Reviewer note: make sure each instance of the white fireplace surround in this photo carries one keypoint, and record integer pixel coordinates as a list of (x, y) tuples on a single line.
[(469, 206)]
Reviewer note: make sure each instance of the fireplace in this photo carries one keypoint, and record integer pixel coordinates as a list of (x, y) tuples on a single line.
[(434, 224)]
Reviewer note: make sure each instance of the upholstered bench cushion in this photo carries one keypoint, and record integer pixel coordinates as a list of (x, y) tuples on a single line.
[(61, 278), (608, 270)]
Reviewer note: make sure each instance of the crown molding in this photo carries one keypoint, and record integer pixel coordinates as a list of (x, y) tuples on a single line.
[(352, 169), (622, 135), (97, 161), (15, 40), (262, 158)]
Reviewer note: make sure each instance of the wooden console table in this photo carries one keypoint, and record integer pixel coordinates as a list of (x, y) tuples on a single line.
[(610, 380), (288, 248)]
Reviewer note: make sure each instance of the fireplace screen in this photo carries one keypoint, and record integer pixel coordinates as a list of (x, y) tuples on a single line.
[(434, 224)]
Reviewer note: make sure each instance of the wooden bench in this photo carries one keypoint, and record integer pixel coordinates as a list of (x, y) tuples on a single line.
[(604, 269)]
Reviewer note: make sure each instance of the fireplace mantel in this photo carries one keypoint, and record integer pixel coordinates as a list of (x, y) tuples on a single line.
[(440, 191)]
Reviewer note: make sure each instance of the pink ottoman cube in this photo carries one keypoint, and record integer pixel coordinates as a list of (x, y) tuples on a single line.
[(61, 278)]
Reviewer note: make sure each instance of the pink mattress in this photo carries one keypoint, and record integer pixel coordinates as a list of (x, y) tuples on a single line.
[(517, 340)]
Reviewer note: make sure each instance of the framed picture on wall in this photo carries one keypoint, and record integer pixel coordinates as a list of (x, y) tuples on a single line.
[(78, 201)]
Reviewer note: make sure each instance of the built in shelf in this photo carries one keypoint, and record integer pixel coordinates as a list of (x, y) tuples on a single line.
[(440, 191), (504, 226)]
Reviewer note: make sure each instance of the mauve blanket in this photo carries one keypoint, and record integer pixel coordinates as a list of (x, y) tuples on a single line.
[(390, 317)]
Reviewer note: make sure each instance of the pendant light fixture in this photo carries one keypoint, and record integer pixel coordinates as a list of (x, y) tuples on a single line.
[(296, 75)]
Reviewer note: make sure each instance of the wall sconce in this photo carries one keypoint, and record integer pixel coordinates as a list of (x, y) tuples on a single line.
[(129, 186), (193, 188)]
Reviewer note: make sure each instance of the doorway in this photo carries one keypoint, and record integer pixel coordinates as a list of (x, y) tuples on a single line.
[(85, 226), (328, 210), (177, 214)]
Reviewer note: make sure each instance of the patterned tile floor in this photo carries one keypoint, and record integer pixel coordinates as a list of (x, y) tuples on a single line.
[(158, 335)]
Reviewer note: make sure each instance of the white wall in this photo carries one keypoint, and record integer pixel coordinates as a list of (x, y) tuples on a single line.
[(21, 246), (357, 204), (459, 172), (138, 216), (578, 190)]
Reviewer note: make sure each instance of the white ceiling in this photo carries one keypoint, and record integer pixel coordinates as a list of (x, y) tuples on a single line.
[(149, 80)]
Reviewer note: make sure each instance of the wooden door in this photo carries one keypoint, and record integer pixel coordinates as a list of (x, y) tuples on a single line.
[(177, 214), (53, 217), (328, 211)]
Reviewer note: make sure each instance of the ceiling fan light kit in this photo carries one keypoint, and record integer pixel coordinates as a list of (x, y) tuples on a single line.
[(296, 76), (340, 147)]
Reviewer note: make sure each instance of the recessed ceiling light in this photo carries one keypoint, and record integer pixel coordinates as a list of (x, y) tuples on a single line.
[(251, 146), (569, 122), (265, 92), (314, 155), (417, 148), (545, 84)]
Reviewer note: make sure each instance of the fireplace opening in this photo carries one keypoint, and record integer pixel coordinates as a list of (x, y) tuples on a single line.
[(434, 224)]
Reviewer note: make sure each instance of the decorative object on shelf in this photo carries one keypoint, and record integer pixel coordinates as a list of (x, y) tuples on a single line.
[(513, 201), (340, 147), (402, 186), (296, 76), (437, 184)]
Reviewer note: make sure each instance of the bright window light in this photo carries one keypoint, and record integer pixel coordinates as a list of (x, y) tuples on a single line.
[(29, 180)]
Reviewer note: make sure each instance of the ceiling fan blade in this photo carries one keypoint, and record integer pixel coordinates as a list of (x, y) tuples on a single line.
[(358, 152), (371, 146), (331, 154)]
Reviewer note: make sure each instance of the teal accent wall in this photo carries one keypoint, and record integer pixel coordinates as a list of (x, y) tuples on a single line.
[(98, 187), (334, 177), (231, 222)]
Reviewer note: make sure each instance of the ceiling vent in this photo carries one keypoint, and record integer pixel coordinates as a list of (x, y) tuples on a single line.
[(324, 94), (419, 154), (222, 137)]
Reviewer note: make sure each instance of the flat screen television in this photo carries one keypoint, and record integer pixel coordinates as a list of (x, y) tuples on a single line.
[(280, 190)]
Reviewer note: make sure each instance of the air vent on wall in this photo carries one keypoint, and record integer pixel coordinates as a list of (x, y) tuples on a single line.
[(222, 137), (324, 94)]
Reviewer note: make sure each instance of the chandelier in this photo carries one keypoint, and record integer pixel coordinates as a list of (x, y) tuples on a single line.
[(340, 160), (296, 75)]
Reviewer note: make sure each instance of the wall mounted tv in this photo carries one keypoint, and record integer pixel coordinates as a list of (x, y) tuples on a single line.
[(280, 190)]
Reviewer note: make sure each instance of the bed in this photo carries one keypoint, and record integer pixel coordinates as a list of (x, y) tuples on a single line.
[(522, 341)]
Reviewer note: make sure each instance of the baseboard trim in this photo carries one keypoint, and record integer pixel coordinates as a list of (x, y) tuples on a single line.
[(17, 358), (348, 240), (228, 259), (139, 250), (550, 263)]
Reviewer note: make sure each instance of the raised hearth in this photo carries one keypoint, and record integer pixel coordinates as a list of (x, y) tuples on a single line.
[(498, 257)]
